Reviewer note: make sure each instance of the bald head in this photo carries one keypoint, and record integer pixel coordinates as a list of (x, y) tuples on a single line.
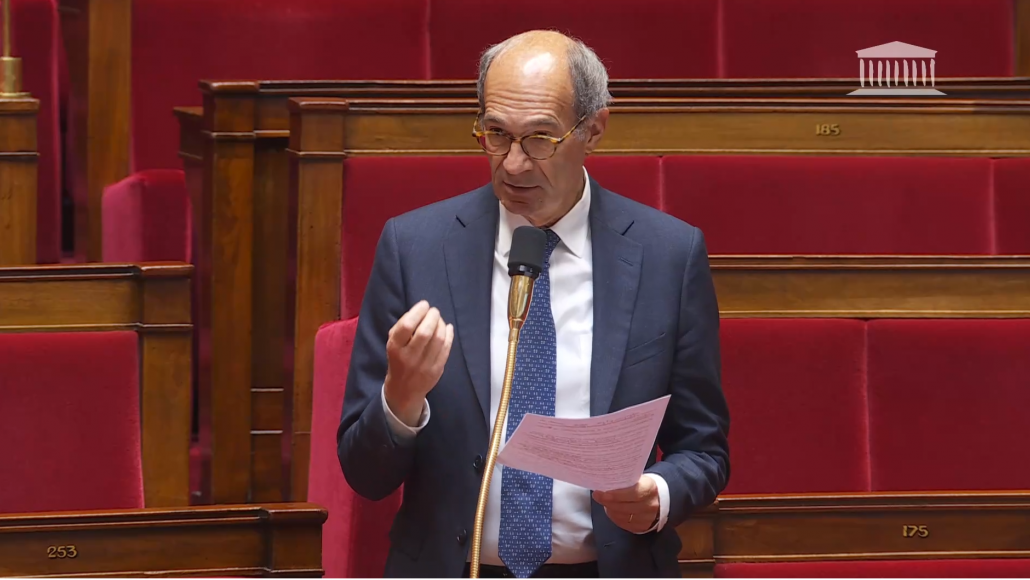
[(545, 57)]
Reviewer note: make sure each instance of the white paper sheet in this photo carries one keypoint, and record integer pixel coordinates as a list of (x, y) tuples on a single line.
[(600, 453)]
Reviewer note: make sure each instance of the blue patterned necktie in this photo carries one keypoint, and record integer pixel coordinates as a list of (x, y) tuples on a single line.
[(524, 541)]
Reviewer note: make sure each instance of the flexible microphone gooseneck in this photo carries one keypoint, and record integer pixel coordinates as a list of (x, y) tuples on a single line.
[(525, 262)]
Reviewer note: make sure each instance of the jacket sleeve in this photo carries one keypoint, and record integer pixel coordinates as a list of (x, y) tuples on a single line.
[(374, 460), (694, 436)]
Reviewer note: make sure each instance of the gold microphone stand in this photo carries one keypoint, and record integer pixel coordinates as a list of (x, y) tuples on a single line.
[(10, 67), (519, 298)]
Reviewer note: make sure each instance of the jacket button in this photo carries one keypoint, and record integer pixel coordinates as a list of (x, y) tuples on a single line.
[(462, 536), (477, 464)]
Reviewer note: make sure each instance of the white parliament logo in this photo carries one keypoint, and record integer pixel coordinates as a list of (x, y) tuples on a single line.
[(896, 68)]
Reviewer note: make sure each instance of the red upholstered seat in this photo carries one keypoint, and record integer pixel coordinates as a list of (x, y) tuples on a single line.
[(1012, 205), (147, 218), (833, 205), (797, 392), (816, 38), (378, 188), (36, 39), (177, 43), (636, 177), (69, 422), (355, 538), (637, 39), (880, 569), (949, 404)]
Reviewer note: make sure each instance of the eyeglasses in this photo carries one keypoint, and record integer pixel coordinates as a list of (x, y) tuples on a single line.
[(537, 147)]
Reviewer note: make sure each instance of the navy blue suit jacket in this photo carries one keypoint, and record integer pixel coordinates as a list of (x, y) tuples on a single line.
[(656, 332)]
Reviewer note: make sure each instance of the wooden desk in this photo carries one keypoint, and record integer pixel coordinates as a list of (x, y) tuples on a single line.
[(19, 174), (861, 526), (154, 301), (213, 541)]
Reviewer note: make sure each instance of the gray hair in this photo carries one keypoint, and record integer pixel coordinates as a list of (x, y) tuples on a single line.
[(589, 76)]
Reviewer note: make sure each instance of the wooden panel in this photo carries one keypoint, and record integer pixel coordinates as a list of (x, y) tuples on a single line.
[(267, 405), (165, 401), (19, 173), (267, 466), (714, 126), (226, 214), (98, 40), (866, 287), (872, 526), (1022, 37), (218, 541), (316, 154), (274, 94)]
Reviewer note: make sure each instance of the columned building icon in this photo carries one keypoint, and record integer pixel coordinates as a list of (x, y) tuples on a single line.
[(897, 68)]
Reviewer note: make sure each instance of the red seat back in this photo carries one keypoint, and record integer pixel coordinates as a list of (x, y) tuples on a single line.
[(355, 538), (833, 205), (796, 390), (69, 422), (668, 38), (815, 38), (949, 404)]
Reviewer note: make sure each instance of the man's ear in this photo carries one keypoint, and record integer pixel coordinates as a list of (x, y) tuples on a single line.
[(595, 130)]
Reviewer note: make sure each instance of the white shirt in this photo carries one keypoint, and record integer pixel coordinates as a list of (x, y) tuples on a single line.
[(572, 299)]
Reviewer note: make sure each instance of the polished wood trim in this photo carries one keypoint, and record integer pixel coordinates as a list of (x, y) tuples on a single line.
[(225, 213), (316, 185), (1022, 34), (872, 287), (212, 541), (865, 526), (713, 126), (98, 40), (19, 176), (987, 87)]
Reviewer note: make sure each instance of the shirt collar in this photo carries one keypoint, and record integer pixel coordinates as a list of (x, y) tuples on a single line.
[(572, 228)]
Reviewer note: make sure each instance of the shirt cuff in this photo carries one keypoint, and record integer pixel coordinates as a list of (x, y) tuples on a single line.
[(663, 501), (398, 427)]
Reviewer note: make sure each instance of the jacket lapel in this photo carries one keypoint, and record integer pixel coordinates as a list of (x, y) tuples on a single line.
[(616, 267), (468, 253)]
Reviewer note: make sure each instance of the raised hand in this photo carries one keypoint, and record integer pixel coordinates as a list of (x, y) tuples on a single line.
[(416, 351)]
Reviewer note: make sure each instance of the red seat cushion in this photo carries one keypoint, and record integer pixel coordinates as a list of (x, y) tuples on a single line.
[(880, 569), (378, 188), (35, 39), (797, 391), (147, 218), (1012, 206), (355, 538), (833, 205), (177, 43), (674, 39), (636, 177), (69, 422), (815, 38), (948, 404)]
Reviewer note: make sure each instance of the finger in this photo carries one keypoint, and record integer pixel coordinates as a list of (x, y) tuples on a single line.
[(404, 328), (424, 333), (435, 343)]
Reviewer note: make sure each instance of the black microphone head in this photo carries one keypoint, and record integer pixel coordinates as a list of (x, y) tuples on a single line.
[(526, 256)]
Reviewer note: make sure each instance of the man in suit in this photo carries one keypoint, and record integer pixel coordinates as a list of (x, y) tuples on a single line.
[(624, 312)]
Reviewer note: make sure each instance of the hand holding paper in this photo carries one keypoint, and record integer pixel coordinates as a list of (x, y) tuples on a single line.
[(600, 453)]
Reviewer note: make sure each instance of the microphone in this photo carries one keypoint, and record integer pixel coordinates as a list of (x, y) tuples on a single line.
[(525, 262)]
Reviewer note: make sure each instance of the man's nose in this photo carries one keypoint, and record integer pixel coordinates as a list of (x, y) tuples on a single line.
[(516, 161)]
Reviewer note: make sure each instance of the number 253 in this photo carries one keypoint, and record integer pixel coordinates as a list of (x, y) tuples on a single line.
[(61, 552)]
